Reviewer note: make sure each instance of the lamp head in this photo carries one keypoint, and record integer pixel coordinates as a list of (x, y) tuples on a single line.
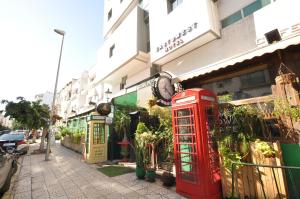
[(108, 92), (61, 32)]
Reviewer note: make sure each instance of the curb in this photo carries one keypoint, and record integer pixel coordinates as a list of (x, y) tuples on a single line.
[(9, 194)]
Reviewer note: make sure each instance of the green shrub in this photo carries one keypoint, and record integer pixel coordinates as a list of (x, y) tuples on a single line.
[(57, 136), (64, 131)]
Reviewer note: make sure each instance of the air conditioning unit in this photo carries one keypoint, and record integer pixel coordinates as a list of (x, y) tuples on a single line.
[(273, 36)]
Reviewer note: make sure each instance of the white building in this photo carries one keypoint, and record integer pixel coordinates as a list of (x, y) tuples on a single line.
[(123, 60), (221, 45), (45, 98)]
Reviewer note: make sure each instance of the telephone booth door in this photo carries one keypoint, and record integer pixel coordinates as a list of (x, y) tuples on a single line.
[(96, 138), (194, 118)]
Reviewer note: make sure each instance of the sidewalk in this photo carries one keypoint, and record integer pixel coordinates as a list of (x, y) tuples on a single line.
[(67, 176)]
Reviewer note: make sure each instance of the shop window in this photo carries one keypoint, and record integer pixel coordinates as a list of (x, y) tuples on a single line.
[(172, 4), (99, 133), (244, 86), (253, 79), (109, 15)]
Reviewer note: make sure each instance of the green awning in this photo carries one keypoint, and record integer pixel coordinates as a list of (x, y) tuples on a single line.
[(129, 99)]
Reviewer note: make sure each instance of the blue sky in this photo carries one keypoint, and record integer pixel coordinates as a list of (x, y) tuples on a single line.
[(29, 48)]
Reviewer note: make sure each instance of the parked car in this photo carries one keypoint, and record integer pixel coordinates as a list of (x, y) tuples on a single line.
[(14, 140), (4, 131), (8, 167)]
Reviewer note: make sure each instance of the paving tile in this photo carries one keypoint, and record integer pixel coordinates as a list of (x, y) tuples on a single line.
[(22, 188), (37, 185), (24, 195), (40, 193), (67, 176), (132, 195), (56, 191), (114, 196), (73, 191), (155, 196), (38, 178)]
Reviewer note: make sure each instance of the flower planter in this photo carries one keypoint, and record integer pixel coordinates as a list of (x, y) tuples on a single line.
[(140, 172), (168, 179), (124, 149), (150, 175)]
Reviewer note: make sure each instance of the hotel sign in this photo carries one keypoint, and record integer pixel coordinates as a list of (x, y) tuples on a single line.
[(177, 40)]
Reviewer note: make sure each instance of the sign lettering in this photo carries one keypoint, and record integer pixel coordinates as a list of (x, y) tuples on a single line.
[(177, 40)]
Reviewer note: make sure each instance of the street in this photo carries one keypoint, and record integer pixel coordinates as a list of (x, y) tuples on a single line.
[(66, 175)]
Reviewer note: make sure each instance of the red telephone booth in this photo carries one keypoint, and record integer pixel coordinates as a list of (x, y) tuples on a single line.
[(195, 119)]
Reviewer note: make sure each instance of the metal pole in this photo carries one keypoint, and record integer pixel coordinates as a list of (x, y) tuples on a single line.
[(53, 102)]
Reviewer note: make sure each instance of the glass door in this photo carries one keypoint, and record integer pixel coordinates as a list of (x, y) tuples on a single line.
[(185, 144)]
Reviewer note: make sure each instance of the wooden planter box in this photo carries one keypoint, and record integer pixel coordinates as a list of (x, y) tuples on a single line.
[(247, 182), (66, 142)]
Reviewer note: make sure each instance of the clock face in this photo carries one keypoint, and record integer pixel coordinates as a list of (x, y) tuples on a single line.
[(165, 89)]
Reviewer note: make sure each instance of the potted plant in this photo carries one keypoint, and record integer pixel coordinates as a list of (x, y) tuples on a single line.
[(150, 174), (167, 177), (121, 125), (140, 167), (145, 141), (140, 151)]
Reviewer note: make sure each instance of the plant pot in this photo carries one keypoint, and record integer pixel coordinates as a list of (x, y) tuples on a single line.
[(168, 179), (140, 172), (150, 175)]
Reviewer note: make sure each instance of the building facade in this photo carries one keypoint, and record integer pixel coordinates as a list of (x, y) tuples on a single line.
[(226, 46), (45, 98)]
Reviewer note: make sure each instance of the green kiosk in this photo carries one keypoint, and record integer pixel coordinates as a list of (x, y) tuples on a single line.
[(96, 138)]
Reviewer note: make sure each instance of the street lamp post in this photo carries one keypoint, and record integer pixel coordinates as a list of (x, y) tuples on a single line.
[(60, 32)]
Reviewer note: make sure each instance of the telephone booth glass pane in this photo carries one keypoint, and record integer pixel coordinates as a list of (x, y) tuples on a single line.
[(99, 133), (87, 142), (185, 140)]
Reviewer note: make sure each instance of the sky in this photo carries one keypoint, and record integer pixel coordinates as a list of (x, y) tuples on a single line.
[(29, 48)]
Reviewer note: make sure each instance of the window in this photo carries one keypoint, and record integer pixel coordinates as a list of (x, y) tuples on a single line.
[(123, 82), (253, 79), (99, 133), (244, 12), (231, 19), (111, 50), (172, 4), (109, 15), (253, 84)]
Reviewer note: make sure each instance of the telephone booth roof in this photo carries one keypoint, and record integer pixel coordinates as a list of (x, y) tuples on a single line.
[(193, 94)]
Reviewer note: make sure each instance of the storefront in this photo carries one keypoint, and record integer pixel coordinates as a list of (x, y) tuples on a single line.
[(249, 76)]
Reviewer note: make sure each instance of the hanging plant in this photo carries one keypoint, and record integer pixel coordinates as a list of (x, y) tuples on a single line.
[(282, 107), (264, 148)]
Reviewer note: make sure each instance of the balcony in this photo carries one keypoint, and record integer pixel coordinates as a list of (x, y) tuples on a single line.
[(125, 49), (114, 13)]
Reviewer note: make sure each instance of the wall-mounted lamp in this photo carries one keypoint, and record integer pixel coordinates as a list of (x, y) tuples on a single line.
[(73, 111), (108, 94), (93, 104)]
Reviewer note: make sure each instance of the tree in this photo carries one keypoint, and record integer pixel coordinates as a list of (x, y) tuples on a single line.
[(31, 115)]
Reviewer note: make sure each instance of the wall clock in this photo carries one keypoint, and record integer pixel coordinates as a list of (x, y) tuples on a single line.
[(164, 88)]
